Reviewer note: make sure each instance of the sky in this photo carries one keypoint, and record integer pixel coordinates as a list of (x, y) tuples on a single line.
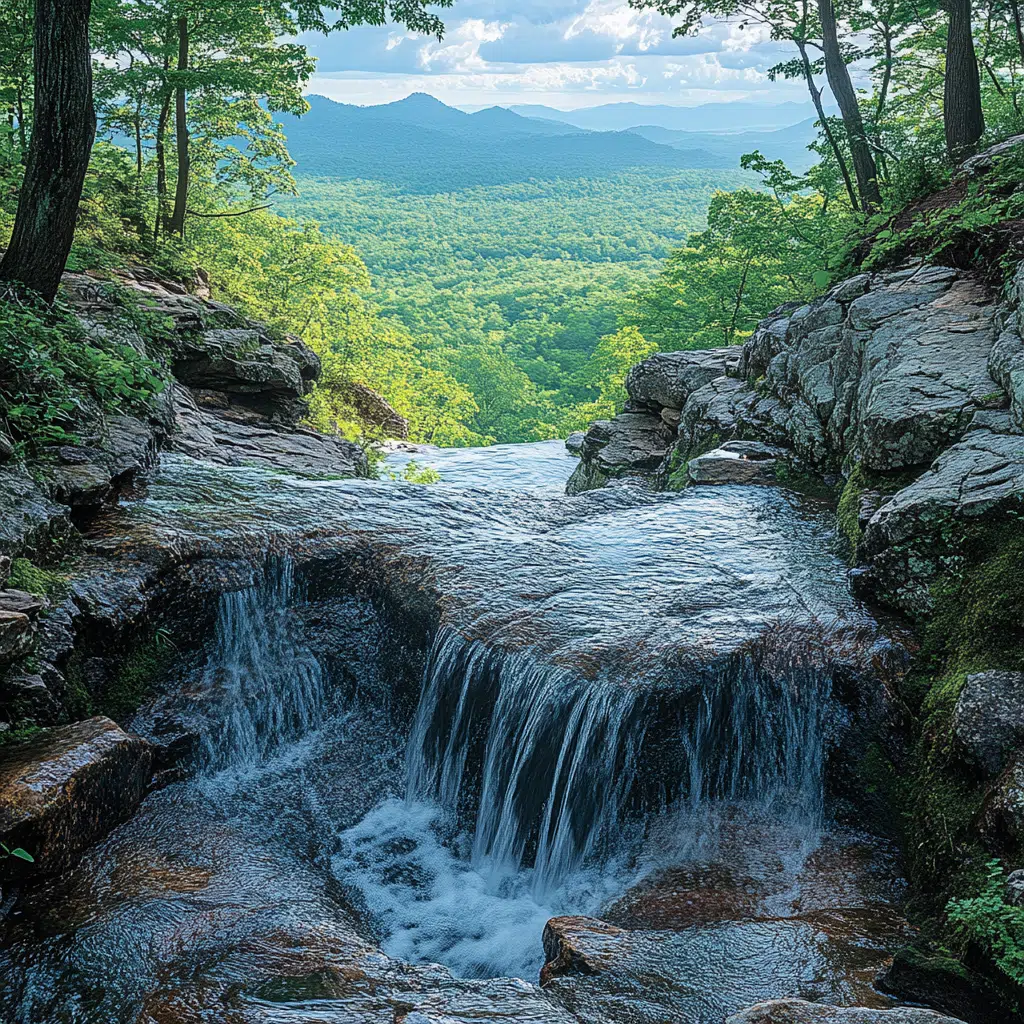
[(563, 53)]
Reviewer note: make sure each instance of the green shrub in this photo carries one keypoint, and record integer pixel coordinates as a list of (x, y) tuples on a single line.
[(51, 370), (993, 924)]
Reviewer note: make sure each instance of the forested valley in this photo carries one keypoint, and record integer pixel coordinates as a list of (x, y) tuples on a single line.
[(489, 298)]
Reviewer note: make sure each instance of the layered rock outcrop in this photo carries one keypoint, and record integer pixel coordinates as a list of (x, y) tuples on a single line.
[(235, 396), (911, 379), (66, 790)]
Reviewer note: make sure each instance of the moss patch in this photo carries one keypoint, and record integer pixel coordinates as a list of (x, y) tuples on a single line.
[(977, 624), (147, 658), (848, 510), (29, 577), (20, 733)]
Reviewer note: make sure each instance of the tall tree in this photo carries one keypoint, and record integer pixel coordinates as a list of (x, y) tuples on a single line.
[(963, 117), (791, 20), (177, 222), (63, 129), (842, 88)]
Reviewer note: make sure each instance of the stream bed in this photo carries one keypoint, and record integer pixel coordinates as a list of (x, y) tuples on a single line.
[(430, 718)]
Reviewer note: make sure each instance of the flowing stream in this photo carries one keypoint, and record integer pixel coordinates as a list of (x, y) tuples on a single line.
[(430, 718)]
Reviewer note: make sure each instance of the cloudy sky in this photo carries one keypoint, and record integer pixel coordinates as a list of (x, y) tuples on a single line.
[(565, 53)]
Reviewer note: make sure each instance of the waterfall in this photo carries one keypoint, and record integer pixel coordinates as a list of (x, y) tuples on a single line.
[(268, 685), (553, 768)]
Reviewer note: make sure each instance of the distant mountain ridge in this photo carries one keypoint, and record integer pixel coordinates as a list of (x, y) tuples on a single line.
[(420, 144), (423, 145), (709, 117)]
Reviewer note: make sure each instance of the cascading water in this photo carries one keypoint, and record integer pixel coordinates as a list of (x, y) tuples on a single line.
[(615, 678), (268, 686), (560, 764)]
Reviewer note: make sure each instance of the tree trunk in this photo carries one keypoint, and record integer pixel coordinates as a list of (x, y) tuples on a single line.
[(842, 88), (1018, 29), (962, 113), (161, 166), (177, 222), (63, 129), (823, 119), (138, 141)]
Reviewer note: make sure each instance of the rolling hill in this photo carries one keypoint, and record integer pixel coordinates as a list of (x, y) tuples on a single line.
[(421, 145), (735, 116)]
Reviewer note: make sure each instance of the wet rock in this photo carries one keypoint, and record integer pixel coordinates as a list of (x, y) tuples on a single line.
[(632, 443), (568, 951), (1015, 888), (1006, 360), (6, 447), (15, 636), (736, 462), (87, 484), (574, 442), (29, 520), (111, 596), (989, 718), (121, 448), (702, 971), (585, 477), (907, 543), (19, 601), (930, 976), (798, 1011), (205, 434), (667, 379), (1003, 814), (26, 695), (65, 790)]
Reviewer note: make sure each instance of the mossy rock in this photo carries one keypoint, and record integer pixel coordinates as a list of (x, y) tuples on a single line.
[(932, 975)]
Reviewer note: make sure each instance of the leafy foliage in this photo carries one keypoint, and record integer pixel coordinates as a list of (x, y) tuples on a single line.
[(51, 371), (995, 925)]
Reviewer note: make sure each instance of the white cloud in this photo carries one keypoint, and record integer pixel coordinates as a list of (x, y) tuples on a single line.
[(462, 53), (620, 22)]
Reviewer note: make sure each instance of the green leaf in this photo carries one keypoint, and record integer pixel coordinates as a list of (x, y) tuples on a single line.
[(821, 279)]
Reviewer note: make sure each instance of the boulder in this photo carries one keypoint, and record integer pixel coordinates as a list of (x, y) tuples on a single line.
[(574, 442), (909, 542), (929, 975), (631, 443), (240, 360), (988, 720), (667, 379), (887, 369), (736, 462), (65, 790), (1015, 888), (20, 601), (712, 414), (29, 520), (1003, 814), (798, 1011), (15, 635), (121, 448), (577, 945)]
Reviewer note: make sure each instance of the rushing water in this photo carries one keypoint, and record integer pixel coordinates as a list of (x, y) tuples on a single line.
[(609, 674)]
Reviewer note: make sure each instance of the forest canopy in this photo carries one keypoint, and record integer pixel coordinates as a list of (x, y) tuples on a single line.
[(506, 304)]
